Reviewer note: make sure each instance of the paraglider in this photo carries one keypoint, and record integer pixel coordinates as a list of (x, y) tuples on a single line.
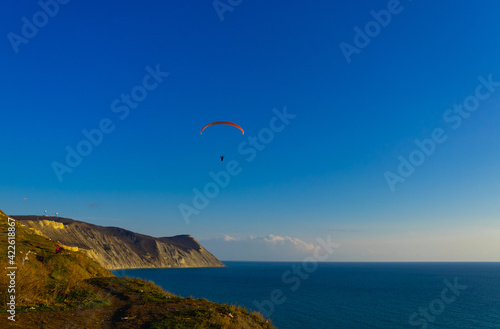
[(223, 123)]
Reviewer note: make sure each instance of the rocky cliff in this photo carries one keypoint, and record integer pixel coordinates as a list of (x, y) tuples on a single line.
[(116, 248)]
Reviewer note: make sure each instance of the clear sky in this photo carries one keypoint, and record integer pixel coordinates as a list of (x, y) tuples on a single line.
[(359, 82)]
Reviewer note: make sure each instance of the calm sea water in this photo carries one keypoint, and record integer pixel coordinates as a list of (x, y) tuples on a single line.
[(347, 295)]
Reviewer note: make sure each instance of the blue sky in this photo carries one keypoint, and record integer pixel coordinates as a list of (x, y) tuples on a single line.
[(325, 173)]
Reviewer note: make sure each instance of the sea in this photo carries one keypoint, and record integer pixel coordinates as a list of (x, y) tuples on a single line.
[(297, 295)]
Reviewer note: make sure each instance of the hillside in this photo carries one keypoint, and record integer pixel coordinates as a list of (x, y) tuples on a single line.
[(117, 248), (70, 290)]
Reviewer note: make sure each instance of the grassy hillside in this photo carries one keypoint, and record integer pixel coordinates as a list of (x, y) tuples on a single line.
[(70, 290), (44, 279)]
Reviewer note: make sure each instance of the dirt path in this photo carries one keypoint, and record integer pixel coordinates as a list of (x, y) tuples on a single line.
[(123, 313)]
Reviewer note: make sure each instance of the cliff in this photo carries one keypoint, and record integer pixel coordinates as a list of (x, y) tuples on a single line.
[(70, 290), (116, 248)]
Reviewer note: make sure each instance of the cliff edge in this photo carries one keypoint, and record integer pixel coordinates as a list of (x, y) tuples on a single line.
[(117, 248)]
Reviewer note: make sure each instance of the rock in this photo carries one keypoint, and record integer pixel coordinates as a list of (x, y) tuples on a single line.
[(117, 248)]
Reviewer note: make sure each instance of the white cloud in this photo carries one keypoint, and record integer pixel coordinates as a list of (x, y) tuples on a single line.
[(285, 242), (299, 244), (230, 238)]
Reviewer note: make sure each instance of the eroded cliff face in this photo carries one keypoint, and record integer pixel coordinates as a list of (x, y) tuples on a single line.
[(116, 248)]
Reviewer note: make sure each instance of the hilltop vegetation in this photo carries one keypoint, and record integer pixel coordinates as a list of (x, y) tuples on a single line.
[(70, 290)]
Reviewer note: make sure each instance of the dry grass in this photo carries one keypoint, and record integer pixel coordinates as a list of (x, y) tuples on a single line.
[(44, 279), (201, 313)]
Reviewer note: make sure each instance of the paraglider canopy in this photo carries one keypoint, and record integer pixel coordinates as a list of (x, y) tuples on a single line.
[(223, 123)]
